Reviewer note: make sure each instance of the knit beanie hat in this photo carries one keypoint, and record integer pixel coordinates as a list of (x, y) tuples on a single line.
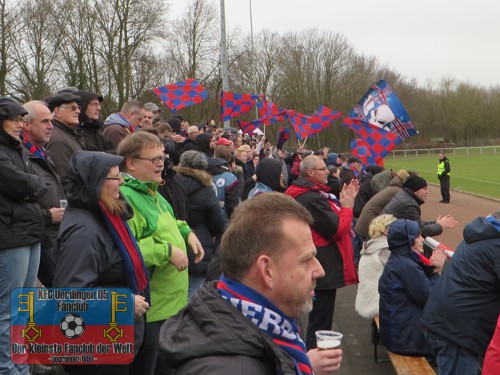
[(415, 183), (193, 159)]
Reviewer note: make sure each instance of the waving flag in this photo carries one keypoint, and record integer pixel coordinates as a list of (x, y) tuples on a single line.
[(269, 112), (300, 123), (322, 119), (361, 149), (381, 108), (249, 126), (181, 94), (305, 125), (234, 105), (283, 136), (379, 141)]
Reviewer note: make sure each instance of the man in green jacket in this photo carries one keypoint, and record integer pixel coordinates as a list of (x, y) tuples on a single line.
[(162, 239)]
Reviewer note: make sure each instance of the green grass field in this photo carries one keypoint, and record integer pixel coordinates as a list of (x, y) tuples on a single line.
[(475, 173)]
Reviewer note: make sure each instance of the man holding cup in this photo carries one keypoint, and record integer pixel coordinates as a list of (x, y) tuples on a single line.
[(244, 323), (37, 129)]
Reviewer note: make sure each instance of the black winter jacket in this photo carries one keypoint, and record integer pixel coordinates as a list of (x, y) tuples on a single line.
[(211, 337), (406, 205), (87, 256), (21, 219), (204, 214), (47, 172), (465, 305)]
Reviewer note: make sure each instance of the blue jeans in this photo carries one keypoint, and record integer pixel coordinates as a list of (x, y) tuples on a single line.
[(195, 283), (452, 359), (18, 269)]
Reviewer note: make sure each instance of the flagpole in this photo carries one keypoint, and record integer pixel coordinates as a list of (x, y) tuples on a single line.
[(224, 64)]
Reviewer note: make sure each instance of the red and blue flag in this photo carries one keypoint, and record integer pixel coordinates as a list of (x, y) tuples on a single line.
[(234, 105), (380, 142), (283, 136), (381, 108), (181, 94)]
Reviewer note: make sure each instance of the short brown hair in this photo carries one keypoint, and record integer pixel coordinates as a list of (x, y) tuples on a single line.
[(222, 152), (256, 227), (132, 145)]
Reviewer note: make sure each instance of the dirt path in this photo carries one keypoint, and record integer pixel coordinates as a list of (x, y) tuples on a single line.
[(463, 207)]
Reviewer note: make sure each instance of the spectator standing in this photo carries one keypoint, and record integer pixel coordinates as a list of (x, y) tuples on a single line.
[(204, 214), (91, 125), (21, 221), (64, 140), (443, 173), (37, 129), (97, 213), (460, 316), (251, 310), (152, 107), (406, 205), (162, 239), (331, 235), (118, 125)]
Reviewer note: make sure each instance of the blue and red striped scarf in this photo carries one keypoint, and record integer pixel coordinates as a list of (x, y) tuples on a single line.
[(135, 269), (35, 150), (269, 319)]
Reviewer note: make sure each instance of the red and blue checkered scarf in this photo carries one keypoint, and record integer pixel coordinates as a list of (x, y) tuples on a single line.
[(267, 318)]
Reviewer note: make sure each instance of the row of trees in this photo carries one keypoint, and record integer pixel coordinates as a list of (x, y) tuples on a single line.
[(123, 48)]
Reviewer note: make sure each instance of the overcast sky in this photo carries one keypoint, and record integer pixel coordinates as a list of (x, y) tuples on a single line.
[(422, 39)]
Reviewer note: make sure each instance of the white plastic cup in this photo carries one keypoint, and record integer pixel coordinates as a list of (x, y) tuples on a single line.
[(328, 339), (63, 203)]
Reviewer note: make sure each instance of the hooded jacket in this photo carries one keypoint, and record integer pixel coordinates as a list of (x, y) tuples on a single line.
[(226, 185), (211, 337), (404, 287), (204, 214), (406, 205), (21, 219), (116, 127), (465, 305), (268, 177), (87, 256), (374, 256), (91, 130), (330, 232)]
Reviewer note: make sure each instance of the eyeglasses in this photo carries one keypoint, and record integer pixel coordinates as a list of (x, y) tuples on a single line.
[(17, 119), (156, 160), (72, 107), (320, 169), (114, 178)]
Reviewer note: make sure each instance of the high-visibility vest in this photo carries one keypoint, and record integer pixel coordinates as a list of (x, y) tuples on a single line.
[(441, 168)]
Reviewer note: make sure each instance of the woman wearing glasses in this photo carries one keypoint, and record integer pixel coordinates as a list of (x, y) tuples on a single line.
[(96, 247), (21, 221)]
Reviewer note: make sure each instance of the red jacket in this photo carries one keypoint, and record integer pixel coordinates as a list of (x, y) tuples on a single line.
[(491, 365), (331, 232)]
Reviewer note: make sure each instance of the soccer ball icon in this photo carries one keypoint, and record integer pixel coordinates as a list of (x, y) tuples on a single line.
[(72, 326)]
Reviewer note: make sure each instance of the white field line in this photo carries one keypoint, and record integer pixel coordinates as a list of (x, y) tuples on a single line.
[(470, 179)]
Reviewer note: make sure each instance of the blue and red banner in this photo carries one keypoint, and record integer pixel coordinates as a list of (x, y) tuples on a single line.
[(379, 142), (72, 326), (181, 94), (381, 108), (234, 105)]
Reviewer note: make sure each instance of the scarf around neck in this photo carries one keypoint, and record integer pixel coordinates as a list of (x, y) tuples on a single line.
[(269, 319), (135, 269)]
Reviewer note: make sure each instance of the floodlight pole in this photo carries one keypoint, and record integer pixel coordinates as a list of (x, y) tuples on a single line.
[(223, 57)]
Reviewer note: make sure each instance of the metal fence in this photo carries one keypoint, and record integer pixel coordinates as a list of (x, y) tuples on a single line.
[(454, 151)]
